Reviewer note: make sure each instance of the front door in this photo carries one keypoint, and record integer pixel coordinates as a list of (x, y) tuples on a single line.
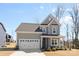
[(45, 43)]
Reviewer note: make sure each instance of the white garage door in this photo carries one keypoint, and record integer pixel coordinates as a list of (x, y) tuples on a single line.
[(29, 43)]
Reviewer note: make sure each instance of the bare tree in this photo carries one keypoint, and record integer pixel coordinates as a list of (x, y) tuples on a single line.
[(75, 14), (67, 35), (59, 12), (67, 31)]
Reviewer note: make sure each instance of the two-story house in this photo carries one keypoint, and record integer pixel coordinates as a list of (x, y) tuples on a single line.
[(40, 36)]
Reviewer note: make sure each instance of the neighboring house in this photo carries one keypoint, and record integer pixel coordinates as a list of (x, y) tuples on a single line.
[(2, 35), (40, 36)]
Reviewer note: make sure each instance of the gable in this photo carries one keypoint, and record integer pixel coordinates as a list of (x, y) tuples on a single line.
[(50, 20), (47, 19), (54, 22)]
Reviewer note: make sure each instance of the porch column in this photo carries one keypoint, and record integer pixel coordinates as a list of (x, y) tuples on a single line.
[(50, 41), (41, 43), (62, 42), (59, 43)]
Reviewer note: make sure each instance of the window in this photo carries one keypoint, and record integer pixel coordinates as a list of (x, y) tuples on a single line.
[(55, 42), (52, 42), (23, 40), (20, 40), (53, 30), (30, 41), (46, 29), (43, 29), (27, 40), (35, 40)]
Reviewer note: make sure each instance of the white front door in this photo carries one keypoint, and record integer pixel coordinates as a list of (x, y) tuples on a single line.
[(29, 43)]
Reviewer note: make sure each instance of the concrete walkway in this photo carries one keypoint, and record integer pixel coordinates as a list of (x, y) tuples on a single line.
[(22, 53)]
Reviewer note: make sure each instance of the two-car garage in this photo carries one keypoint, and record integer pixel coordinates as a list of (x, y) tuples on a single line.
[(29, 43)]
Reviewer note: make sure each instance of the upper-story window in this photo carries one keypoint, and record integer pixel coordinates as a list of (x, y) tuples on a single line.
[(40, 27), (44, 29), (54, 30)]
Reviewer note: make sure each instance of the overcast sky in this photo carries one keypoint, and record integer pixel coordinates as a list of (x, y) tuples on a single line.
[(11, 15)]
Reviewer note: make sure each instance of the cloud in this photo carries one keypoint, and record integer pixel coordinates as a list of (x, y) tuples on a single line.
[(68, 9), (66, 20), (41, 7), (53, 10)]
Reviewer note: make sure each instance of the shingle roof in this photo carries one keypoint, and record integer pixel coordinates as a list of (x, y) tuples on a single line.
[(3, 26), (29, 27), (47, 19)]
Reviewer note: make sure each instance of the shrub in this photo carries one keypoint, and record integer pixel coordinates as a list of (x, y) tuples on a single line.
[(16, 48), (49, 49), (53, 49), (64, 48), (59, 49)]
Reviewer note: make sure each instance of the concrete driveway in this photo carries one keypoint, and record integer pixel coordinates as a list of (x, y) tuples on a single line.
[(22, 53)]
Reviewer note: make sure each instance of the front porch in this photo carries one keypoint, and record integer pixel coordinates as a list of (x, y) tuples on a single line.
[(52, 42)]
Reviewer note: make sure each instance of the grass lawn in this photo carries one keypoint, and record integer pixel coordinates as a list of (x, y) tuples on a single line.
[(72, 52), (6, 53), (11, 45)]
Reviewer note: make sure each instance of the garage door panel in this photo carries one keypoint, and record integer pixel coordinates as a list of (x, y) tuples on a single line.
[(29, 43)]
